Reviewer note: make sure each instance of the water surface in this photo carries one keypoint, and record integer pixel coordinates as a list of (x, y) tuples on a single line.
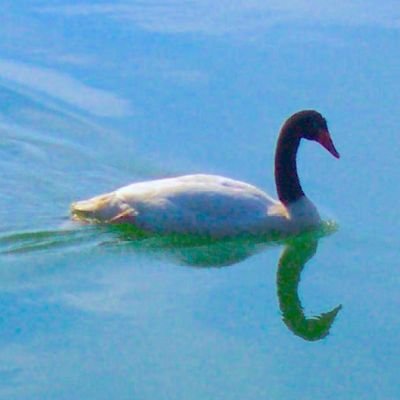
[(95, 95)]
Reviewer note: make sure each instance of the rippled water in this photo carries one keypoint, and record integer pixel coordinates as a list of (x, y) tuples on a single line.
[(95, 95)]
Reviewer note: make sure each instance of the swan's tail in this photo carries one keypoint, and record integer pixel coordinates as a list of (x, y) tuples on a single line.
[(102, 209), (96, 209)]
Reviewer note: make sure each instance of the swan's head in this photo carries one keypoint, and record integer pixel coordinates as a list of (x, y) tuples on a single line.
[(312, 125)]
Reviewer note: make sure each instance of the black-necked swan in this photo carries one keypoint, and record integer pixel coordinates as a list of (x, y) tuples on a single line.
[(214, 205)]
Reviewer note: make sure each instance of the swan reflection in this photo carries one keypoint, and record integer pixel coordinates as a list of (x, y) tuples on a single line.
[(297, 251), (291, 263)]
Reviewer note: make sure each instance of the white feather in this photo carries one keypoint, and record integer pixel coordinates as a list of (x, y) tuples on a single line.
[(197, 204)]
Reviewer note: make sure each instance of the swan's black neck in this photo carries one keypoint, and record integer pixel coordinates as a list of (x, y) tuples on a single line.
[(286, 178)]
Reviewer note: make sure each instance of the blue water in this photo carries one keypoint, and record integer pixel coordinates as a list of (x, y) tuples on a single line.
[(96, 95)]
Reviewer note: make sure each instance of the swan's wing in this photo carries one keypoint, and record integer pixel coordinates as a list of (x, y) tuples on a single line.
[(199, 204), (196, 204)]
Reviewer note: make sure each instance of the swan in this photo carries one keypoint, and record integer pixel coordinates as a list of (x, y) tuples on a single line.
[(216, 206)]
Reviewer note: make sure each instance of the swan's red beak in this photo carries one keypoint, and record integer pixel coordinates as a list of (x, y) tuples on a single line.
[(324, 139)]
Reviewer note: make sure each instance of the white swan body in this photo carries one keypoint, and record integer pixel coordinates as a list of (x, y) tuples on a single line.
[(217, 206), (198, 204)]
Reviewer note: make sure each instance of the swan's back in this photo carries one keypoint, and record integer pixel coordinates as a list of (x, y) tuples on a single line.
[(191, 204)]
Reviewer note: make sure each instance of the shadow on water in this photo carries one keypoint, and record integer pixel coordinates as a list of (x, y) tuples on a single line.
[(200, 253)]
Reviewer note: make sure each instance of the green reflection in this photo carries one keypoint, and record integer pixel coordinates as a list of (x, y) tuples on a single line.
[(196, 252), (296, 254), (204, 252)]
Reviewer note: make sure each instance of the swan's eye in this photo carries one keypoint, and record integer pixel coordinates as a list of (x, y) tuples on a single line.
[(315, 125)]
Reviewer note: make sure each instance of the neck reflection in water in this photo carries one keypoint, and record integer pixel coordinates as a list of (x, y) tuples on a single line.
[(192, 251), (298, 250), (291, 263)]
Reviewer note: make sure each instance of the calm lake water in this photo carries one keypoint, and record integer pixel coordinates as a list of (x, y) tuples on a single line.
[(95, 95)]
